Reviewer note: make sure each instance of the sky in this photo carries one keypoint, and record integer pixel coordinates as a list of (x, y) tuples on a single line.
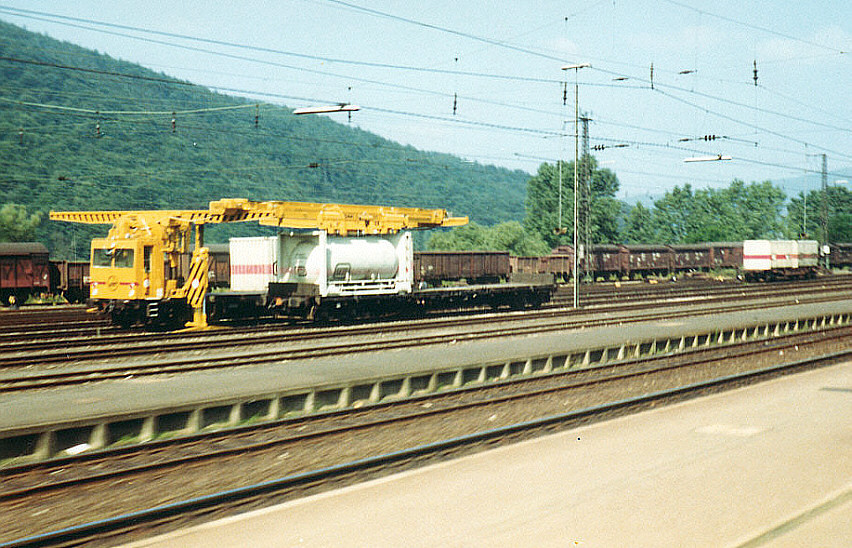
[(484, 80)]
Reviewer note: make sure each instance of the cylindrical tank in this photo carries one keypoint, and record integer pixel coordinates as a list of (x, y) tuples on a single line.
[(364, 258)]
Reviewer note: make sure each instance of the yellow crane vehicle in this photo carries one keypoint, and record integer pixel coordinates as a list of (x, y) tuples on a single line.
[(134, 270)]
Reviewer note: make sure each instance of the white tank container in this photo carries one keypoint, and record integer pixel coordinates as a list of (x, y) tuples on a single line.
[(337, 265), (346, 259)]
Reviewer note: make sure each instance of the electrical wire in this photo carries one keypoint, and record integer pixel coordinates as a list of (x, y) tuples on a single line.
[(382, 65), (511, 128)]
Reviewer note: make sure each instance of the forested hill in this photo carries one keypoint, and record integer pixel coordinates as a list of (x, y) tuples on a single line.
[(56, 152)]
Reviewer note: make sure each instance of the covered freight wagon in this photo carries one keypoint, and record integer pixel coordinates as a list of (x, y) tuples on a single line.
[(841, 255), (648, 260), (692, 257), (726, 255), (218, 265), (24, 270)]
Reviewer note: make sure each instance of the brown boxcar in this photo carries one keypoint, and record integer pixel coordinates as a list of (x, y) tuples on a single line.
[(726, 254), (649, 259), (24, 270), (841, 255), (560, 264), (692, 257), (526, 265), (218, 265), (475, 267), (609, 260)]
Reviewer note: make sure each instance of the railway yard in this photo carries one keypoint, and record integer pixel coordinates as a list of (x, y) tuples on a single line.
[(425, 274), (109, 436)]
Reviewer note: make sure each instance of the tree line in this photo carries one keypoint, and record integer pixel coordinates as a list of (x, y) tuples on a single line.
[(54, 160), (741, 211)]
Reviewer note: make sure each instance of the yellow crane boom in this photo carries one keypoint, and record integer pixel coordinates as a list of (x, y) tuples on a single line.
[(333, 218)]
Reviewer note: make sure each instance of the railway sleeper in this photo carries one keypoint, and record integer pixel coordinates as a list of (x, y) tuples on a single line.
[(45, 442)]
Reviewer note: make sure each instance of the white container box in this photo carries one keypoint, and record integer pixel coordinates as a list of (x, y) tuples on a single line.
[(808, 253), (757, 255), (254, 263)]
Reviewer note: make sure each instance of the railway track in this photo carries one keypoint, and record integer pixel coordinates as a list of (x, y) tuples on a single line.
[(593, 394), (71, 327), (158, 342), (33, 371), (597, 294), (55, 323), (40, 313)]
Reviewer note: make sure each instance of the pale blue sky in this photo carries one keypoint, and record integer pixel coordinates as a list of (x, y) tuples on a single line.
[(503, 60)]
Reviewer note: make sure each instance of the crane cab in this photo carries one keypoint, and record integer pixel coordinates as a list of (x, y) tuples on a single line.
[(130, 283)]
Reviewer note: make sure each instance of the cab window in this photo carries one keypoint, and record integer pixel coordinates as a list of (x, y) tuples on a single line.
[(118, 258), (124, 258), (101, 257)]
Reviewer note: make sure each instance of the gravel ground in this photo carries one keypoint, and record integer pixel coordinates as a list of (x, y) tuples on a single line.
[(52, 511)]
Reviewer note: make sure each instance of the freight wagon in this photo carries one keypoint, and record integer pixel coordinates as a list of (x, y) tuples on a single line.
[(219, 264), (649, 260), (691, 257), (840, 255), (629, 261), (726, 255), (316, 275), (24, 270), (776, 259), (432, 268), (70, 279), (560, 264)]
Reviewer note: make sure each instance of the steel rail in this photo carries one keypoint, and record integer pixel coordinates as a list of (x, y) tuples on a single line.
[(579, 378), (375, 465), (29, 380), (172, 339), (64, 349)]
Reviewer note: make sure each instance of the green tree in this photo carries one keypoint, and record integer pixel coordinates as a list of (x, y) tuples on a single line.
[(639, 227), (738, 212), (463, 238), (803, 216), (542, 203), (756, 209), (839, 210), (674, 215), (16, 224), (513, 238)]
